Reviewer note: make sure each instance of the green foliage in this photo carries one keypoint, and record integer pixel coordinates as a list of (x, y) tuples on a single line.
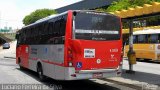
[(38, 14), (122, 4), (125, 4)]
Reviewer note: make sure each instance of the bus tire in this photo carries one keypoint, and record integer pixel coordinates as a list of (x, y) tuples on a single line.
[(19, 63), (21, 68), (40, 73)]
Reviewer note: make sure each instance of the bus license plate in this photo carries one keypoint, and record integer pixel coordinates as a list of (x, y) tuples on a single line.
[(97, 75)]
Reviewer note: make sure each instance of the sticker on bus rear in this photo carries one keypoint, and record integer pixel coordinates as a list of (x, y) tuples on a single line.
[(79, 65), (89, 53)]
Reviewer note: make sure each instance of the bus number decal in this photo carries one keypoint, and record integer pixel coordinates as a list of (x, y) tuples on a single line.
[(89, 53)]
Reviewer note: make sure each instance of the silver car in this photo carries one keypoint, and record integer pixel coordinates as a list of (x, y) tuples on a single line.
[(6, 46)]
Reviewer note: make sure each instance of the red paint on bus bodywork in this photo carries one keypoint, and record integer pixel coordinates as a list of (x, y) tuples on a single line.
[(103, 52), (22, 54)]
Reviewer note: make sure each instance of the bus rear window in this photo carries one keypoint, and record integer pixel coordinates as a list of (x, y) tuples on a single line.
[(96, 26)]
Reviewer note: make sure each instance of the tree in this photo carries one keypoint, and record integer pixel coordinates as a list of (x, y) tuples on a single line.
[(36, 15), (125, 4)]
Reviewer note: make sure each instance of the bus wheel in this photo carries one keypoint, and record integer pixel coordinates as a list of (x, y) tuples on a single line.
[(19, 63), (40, 73), (21, 68)]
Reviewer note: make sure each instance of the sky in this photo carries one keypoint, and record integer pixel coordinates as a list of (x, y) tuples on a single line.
[(12, 12)]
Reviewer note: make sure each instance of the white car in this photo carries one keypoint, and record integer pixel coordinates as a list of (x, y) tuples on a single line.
[(6, 46)]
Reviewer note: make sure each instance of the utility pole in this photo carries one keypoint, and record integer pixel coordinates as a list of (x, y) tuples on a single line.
[(131, 54)]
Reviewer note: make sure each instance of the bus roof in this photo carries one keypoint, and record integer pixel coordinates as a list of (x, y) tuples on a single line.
[(147, 31), (45, 19)]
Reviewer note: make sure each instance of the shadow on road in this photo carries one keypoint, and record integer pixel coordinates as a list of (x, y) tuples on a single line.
[(143, 77), (149, 61), (70, 85), (146, 61)]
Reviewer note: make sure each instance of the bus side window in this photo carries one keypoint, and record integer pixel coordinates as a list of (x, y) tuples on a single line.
[(134, 39), (34, 35), (146, 38), (40, 29), (50, 27), (45, 28), (142, 38), (56, 40), (18, 37), (154, 38), (57, 28), (158, 38), (61, 40), (62, 26), (149, 38)]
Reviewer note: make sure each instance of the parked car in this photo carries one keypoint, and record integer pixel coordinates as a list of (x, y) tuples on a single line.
[(6, 45)]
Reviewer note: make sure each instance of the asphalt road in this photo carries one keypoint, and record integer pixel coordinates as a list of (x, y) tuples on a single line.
[(145, 71)]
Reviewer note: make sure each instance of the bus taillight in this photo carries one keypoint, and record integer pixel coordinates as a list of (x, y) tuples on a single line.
[(70, 58), (122, 54), (69, 54), (121, 60), (70, 64)]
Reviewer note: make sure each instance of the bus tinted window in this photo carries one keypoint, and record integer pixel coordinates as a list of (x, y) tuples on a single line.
[(154, 38), (97, 26), (135, 39), (62, 26), (57, 28), (42, 33), (142, 39)]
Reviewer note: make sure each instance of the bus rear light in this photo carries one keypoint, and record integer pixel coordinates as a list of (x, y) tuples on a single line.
[(70, 53), (70, 64), (122, 54), (73, 75), (70, 57), (121, 60)]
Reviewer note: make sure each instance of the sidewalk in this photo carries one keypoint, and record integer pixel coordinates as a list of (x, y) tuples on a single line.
[(147, 76), (140, 80)]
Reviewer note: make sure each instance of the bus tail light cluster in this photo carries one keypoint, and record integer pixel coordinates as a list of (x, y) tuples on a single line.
[(121, 61), (70, 58), (70, 64), (122, 53)]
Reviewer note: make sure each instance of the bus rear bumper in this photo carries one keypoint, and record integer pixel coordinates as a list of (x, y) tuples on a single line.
[(91, 74)]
